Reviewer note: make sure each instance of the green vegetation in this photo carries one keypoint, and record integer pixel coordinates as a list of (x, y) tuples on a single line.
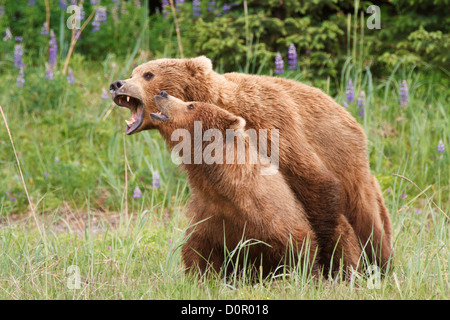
[(82, 172)]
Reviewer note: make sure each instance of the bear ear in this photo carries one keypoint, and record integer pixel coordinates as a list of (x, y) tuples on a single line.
[(237, 123), (199, 65)]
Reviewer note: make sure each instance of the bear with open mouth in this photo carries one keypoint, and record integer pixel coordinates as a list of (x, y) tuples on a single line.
[(322, 148)]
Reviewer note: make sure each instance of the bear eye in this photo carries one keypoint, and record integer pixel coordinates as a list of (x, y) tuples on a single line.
[(190, 107), (148, 75)]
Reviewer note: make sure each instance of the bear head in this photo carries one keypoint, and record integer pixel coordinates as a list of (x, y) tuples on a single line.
[(182, 78), (174, 113)]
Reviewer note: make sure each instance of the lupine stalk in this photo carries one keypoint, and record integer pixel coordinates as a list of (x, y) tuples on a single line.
[(165, 7), (226, 8), (211, 6), (105, 94), (63, 4), (48, 73), (292, 57), (178, 4), (52, 50), (21, 78), (350, 91), (440, 147), (100, 16), (361, 102), (7, 35), (137, 193), (404, 94), (196, 8), (44, 29), (18, 53), (70, 77), (155, 180), (279, 64)]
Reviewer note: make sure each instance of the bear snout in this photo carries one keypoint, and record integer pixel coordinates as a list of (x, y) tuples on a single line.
[(116, 85), (164, 94)]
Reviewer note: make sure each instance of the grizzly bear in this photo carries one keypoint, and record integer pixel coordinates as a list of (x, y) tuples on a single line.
[(234, 201), (322, 148)]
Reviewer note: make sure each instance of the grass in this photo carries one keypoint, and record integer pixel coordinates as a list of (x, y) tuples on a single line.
[(140, 259), (129, 248)]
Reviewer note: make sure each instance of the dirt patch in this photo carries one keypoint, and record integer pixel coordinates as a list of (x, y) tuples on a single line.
[(64, 220)]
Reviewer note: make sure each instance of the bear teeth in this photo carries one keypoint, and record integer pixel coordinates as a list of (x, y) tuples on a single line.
[(130, 122), (128, 98)]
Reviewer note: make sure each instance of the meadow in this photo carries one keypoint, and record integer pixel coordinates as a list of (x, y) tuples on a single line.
[(87, 212)]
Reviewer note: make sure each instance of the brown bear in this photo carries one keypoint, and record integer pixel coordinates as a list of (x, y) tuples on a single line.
[(236, 199), (322, 148)]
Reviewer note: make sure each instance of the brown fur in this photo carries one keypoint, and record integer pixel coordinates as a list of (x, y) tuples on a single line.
[(322, 148), (233, 202)]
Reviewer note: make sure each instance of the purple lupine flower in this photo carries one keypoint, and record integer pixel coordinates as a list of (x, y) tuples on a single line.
[(196, 8), (70, 77), (361, 99), (403, 195), (94, 2), (77, 34), (165, 7), (345, 105), (116, 3), (308, 52), (178, 4), (350, 91), (63, 4), (11, 196), (226, 8), (155, 180), (105, 94), (292, 57), (44, 29), (18, 39), (46, 174), (137, 193), (2, 11), (211, 6), (279, 64), (440, 147), (403, 93), (48, 73), (52, 50), (20, 81), (18, 53), (7, 35), (361, 102), (100, 16), (31, 3), (361, 112), (82, 13)]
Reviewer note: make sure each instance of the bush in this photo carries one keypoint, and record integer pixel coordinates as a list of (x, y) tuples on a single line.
[(321, 32), (324, 32)]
